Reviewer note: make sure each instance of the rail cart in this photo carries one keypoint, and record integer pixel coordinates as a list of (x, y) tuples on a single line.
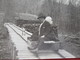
[(42, 44)]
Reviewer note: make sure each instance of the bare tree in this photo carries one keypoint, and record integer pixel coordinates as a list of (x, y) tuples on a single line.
[(9, 11)]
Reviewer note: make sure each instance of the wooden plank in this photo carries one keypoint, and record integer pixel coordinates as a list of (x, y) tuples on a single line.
[(66, 54)]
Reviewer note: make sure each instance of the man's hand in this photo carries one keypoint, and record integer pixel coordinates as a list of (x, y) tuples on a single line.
[(43, 36)]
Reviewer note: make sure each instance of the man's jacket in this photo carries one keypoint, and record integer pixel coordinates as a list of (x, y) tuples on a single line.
[(48, 30), (45, 28)]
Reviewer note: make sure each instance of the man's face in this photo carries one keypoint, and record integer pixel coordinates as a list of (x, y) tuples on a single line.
[(41, 19)]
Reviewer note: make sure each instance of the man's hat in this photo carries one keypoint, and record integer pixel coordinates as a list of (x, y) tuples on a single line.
[(41, 17)]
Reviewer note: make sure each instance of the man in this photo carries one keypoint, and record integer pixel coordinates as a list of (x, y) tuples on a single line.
[(47, 30), (45, 27), (35, 35), (45, 33)]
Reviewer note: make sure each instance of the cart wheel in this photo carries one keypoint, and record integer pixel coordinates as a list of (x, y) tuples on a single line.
[(33, 47), (56, 46), (33, 50)]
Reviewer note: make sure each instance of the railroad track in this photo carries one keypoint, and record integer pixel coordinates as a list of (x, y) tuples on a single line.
[(21, 37), (22, 30), (18, 33), (28, 33)]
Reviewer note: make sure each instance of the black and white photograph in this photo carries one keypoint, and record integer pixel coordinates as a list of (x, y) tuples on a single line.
[(39, 29)]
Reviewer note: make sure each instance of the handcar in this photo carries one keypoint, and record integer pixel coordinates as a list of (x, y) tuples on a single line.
[(42, 44)]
